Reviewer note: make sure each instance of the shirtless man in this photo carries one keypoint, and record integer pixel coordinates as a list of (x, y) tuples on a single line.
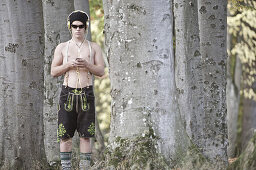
[(77, 59)]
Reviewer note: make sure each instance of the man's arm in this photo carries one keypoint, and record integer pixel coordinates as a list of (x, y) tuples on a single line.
[(57, 67), (98, 67)]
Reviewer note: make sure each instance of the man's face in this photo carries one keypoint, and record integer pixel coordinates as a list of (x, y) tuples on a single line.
[(78, 29)]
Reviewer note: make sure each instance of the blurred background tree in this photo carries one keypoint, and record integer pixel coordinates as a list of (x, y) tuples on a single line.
[(242, 30), (102, 85)]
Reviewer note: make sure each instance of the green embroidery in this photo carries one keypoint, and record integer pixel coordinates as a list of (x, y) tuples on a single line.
[(84, 102), (61, 131), (91, 129), (85, 105), (68, 107)]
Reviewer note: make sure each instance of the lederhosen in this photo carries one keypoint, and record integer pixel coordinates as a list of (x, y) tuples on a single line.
[(76, 109)]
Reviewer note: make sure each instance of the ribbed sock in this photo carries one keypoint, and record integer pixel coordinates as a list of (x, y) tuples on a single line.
[(85, 161), (65, 158)]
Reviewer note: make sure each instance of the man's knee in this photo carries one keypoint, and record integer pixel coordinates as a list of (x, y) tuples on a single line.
[(66, 142), (85, 140)]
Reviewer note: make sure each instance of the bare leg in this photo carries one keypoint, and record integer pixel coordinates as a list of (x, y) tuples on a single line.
[(85, 146), (66, 145), (65, 153), (85, 153)]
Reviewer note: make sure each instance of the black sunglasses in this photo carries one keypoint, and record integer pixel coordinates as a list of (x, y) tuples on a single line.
[(75, 26)]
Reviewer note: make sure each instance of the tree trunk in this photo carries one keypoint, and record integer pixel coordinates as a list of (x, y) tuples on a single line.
[(247, 53), (234, 72), (210, 131), (56, 31), (249, 121), (200, 29), (188, 74), (139, 49), (233, 98), (21, 79), (233, 102)]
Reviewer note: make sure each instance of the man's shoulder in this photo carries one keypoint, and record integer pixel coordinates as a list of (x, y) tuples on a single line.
[(62, 45), (94, 45)]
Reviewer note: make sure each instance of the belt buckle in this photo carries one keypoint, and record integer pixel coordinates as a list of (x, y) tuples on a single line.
[(77, 92)]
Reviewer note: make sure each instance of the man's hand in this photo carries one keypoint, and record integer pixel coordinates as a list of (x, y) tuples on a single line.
[(80, 62), (72, 64)]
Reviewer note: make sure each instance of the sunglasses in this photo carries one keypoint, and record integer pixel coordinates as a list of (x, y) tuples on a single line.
[(75, 26)]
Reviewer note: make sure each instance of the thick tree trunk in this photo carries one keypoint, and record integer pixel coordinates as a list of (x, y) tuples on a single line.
[(21, 79), (200, 29), (56, 31), (210, 131), (139, 49)]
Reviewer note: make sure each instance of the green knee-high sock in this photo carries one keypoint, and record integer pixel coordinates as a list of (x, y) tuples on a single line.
[(65, 158), (85, 160)]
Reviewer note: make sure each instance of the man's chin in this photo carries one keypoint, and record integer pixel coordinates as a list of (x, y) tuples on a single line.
[(78, 35)]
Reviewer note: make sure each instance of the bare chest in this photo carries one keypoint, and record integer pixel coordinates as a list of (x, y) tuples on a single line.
[(72, 51)]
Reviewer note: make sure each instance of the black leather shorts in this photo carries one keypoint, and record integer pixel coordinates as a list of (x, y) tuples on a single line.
[(76, 112)]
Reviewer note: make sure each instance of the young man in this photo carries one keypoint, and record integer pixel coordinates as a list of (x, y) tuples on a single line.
[(77, 59)]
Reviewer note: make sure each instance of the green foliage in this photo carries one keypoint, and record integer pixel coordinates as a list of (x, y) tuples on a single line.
[(101, 85), (103, 102), (242, 26), (241, 4), (97, 21)]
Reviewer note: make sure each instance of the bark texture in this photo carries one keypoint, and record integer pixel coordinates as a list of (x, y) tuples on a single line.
[(210, 128), (56, 31), (21, 79), (187, 58), (139, 49), (200, 28)]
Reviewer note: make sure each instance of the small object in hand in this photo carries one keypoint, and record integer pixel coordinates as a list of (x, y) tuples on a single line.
[(79, 59)]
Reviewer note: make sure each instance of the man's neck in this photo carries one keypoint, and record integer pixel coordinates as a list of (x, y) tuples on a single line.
[(78, 39)]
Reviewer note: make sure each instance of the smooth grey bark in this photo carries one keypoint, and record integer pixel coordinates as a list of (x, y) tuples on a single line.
[(187, 58), (141, 63), (56, 31), (21, 79), (200, 28), (210, 132)]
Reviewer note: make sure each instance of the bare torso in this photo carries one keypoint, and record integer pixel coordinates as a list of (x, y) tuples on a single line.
[(77, 77)]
